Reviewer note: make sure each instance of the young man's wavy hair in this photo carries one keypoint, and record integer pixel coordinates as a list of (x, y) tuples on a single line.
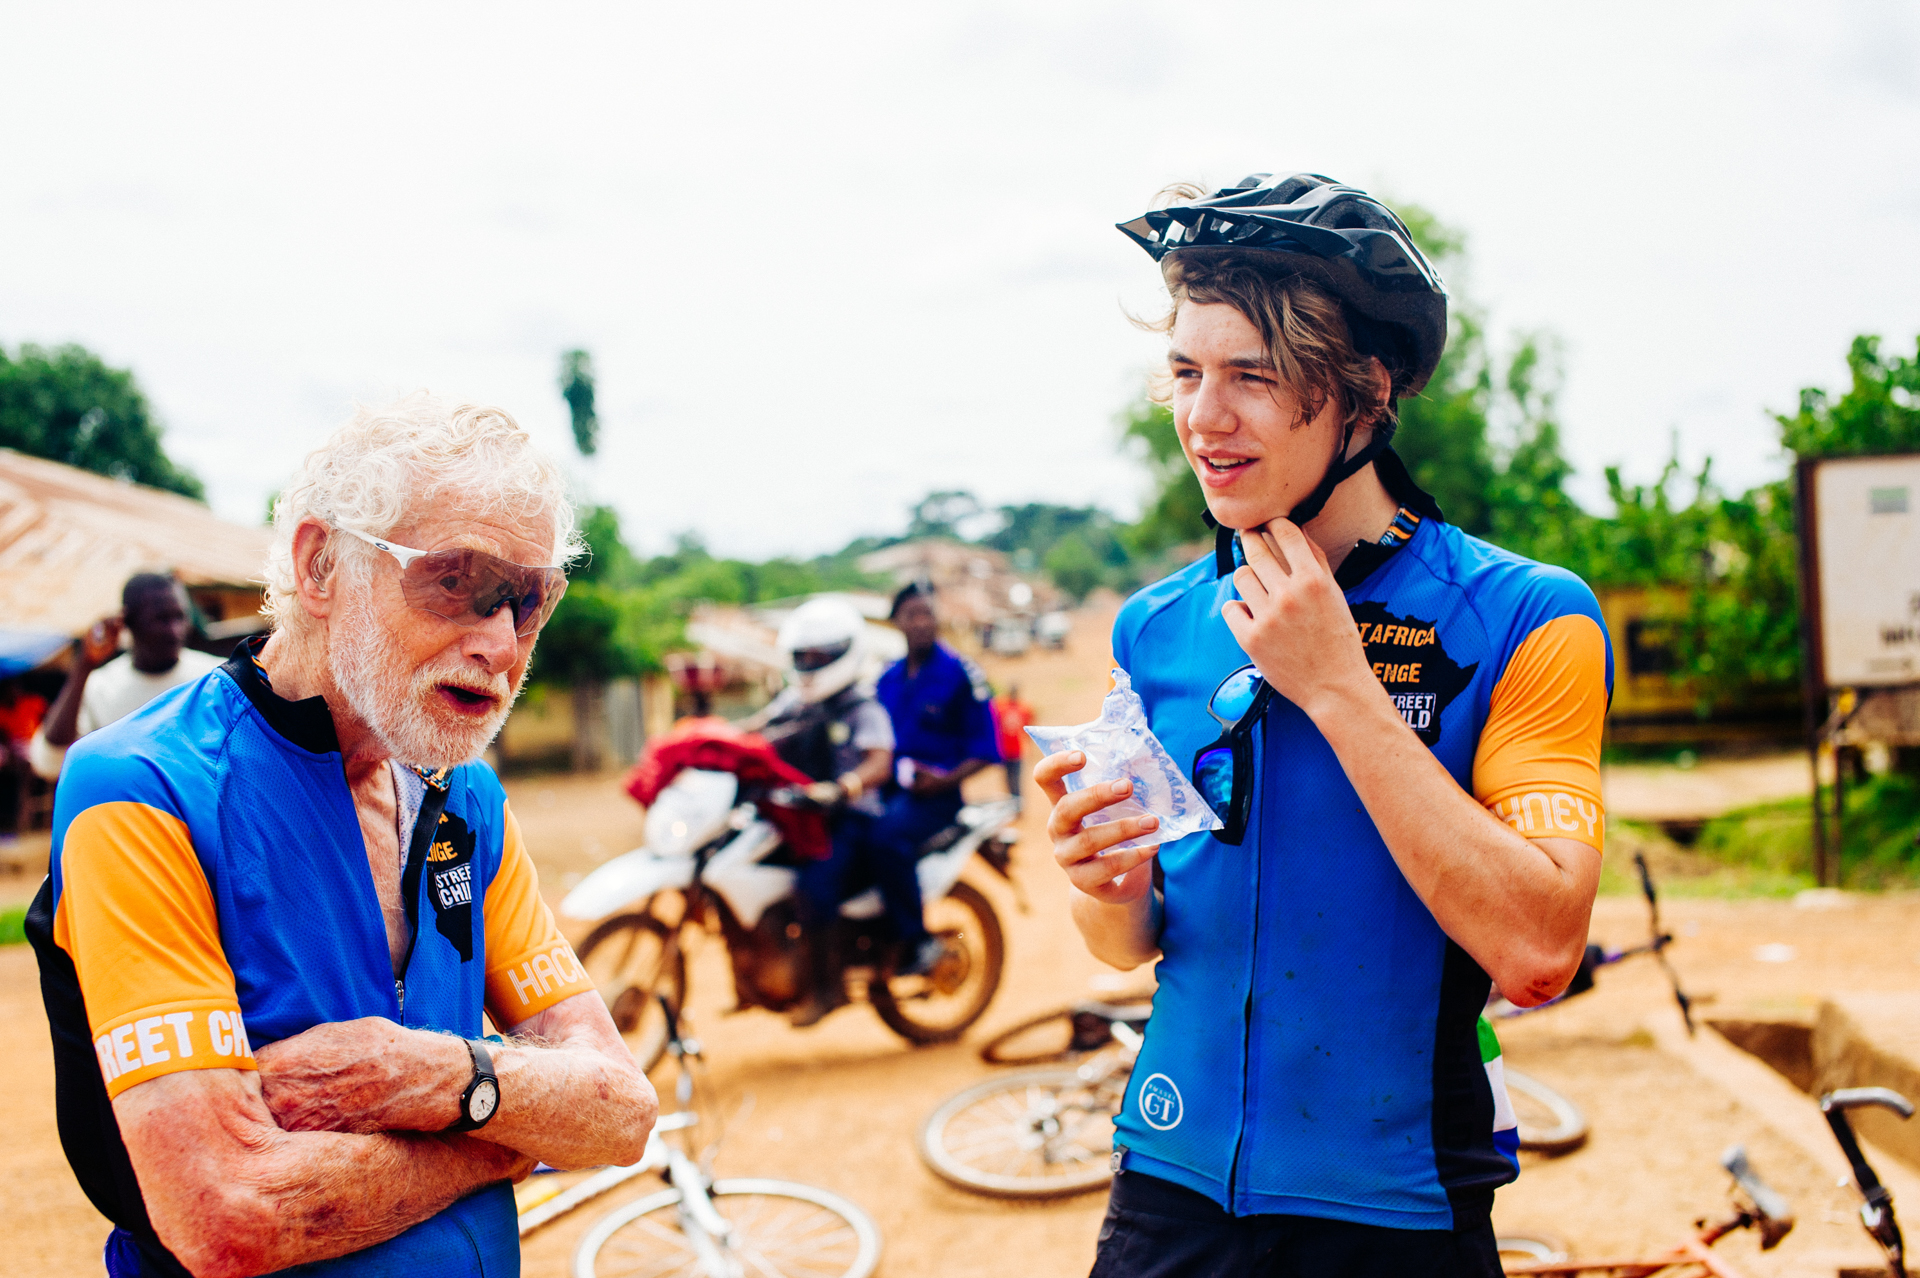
[(1321, 348)]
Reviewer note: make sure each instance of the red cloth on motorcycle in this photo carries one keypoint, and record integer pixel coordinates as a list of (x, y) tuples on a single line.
[(714, 745)]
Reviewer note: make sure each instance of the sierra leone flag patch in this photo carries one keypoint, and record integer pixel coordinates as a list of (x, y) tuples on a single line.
[(1506, 1128)]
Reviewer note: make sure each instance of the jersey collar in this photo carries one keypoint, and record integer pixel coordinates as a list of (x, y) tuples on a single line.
[(307, 724)]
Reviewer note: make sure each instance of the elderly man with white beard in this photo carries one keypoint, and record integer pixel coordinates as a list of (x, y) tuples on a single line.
[(283, 895)]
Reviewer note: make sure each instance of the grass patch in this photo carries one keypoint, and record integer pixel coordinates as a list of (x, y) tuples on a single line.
[(1767, 849), (13, 925)]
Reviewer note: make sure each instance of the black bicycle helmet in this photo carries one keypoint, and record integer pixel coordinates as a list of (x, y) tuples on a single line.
[(1340, 237)]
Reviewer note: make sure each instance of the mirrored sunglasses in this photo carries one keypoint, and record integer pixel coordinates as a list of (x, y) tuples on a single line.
[(467, 586), (1223, 770)]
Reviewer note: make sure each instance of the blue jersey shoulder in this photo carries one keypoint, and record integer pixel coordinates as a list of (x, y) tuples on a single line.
[(1512, 596), (164, 754), (1138, 612)]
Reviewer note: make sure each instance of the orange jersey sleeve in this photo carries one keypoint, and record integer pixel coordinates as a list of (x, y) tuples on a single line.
[(137, 917), (530, 966), (1538, 763)]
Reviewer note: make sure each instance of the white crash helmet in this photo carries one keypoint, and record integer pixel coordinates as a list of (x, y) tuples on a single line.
[(824, 642)]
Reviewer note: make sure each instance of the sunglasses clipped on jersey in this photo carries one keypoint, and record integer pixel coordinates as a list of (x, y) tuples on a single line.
[(467, 586), (1223, 770)]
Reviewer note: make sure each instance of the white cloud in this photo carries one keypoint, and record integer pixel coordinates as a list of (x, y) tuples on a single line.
[(828, 258)]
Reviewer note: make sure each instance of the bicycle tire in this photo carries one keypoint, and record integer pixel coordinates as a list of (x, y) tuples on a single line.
[(1549, 1122), (1015, 1113), (591, 1259), (1530, 1249), (1006, 1048), (634, 1003), (901, 1007)]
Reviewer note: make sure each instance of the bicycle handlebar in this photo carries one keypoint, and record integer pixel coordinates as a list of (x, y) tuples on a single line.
[(1775, 1213), (1876, 1212)]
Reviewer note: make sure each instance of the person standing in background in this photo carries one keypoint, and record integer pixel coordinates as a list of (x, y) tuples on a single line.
[(103, 687), (1011, 716), (943, 732)]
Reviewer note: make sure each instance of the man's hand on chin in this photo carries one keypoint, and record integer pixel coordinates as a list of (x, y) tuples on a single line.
[(369, 1075)]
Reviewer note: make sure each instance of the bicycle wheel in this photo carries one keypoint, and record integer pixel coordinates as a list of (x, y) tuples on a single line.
[(1042, 1134), (938, 1007), (780, 1230), (1046, 1037), (634, 960), (1530, 1249), (1549, 1122)]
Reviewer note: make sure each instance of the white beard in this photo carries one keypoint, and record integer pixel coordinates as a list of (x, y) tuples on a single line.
[(397, 703)]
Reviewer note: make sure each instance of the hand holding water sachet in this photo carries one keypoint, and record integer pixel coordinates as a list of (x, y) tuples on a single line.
[(1121, 747)]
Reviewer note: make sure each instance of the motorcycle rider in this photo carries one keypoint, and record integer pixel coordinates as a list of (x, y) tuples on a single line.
[(944, 731), (828, 725)]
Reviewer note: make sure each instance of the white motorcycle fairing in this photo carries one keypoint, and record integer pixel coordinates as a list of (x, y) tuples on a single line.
[(734, 871)]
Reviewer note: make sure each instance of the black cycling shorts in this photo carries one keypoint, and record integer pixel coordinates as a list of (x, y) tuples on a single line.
[(1157, 1229)]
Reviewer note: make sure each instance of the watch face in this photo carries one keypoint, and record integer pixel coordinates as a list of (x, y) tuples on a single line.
[(485, 1098)]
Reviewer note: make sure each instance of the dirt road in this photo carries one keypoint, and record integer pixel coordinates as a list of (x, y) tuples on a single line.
[(837, 1105)]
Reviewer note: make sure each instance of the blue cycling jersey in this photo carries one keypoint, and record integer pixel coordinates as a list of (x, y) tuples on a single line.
[(1314, 1045), (210, 891)]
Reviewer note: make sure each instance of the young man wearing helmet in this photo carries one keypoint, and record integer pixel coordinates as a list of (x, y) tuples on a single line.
[(828, 725), (1399, 726)]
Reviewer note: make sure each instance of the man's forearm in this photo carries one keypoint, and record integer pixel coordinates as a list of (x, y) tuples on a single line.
[(61, 726), (570, 1106), (1119, 935), (263, 1199), (1519, 906)]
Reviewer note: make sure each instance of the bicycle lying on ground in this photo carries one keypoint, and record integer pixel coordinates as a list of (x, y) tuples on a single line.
[(1755, 1205), (699, 1227), (1048, 1133)]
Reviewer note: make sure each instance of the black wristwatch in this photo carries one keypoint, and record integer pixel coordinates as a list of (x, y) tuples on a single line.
[(482, 1098)]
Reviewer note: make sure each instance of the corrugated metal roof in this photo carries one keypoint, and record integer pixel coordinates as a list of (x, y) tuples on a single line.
[(69, 539)]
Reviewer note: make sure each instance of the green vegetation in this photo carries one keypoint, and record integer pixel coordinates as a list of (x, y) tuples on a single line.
[(13, 925), (67, 405)]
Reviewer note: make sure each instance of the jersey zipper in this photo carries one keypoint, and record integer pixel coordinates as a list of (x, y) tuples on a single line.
[(1253, 969)]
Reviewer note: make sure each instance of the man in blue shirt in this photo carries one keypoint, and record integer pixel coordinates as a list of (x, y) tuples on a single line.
[(943, 733)]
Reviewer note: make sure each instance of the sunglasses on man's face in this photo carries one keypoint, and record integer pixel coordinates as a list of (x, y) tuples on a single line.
[(468, 586), (1223, 771)]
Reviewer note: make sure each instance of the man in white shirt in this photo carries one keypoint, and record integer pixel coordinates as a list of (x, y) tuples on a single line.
[(103, 687)]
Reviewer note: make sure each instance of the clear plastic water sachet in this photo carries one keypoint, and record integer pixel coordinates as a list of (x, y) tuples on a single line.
[(1121, 747)]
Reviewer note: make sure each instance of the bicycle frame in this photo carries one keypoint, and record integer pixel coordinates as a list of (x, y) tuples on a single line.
[(1876, 1207)]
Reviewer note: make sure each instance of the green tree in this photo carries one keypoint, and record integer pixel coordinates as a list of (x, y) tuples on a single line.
[(67, 405), (576, 387), (1073, 566), (1879, 413), (1174, 515), (940, 514)]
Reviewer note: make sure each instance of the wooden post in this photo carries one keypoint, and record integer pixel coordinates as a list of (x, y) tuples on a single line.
[(1812, 678)]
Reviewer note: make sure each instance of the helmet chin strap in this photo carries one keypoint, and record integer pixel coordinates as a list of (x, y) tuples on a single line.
[(1339, 471), (1342, 468)]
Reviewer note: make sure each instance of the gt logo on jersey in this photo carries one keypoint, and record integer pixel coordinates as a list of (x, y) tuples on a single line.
[(1407, 656), (1160, 1103)]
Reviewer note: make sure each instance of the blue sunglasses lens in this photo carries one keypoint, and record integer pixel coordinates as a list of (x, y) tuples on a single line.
[(1234, 697), (1213, 776)]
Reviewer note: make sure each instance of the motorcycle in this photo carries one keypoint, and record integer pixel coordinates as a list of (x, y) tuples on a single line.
[(714, 861)]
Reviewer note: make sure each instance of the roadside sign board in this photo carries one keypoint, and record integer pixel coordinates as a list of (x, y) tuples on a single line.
[(1863, 514)]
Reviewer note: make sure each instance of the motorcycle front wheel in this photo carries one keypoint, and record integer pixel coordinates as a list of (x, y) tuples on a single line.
[(780, 1230), (938, 1007), (635, 960)]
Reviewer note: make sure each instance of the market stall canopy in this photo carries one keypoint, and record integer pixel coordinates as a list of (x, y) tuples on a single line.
[(69, 539)]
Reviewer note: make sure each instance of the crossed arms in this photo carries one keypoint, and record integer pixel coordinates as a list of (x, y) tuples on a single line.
[(331, 1147)]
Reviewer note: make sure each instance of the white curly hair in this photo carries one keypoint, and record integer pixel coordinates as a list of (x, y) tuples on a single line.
[(386, 461)]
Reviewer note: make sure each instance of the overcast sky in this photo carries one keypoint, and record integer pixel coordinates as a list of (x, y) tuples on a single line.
[(828, 257)]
